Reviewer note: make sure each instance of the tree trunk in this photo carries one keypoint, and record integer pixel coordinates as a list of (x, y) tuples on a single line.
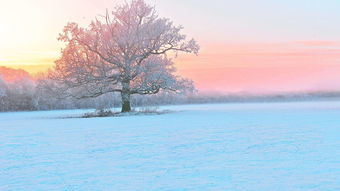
[(126, 107)]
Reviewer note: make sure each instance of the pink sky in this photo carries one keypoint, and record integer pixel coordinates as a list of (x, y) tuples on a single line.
[(255, 46), (265, 68)]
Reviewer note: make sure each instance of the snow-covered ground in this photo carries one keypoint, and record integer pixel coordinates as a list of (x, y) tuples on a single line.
[(258, 146)]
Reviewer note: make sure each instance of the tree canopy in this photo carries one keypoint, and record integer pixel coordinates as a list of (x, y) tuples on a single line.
[(125, 51)]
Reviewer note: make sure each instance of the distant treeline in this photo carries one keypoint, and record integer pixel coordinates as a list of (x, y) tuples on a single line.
[(26, 95)]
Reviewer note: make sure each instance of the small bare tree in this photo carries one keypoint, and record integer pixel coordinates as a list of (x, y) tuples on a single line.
[(126, 51)]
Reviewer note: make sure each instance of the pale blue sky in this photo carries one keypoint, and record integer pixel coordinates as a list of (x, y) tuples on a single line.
[(260, 20), (285, 37), (28, 26)]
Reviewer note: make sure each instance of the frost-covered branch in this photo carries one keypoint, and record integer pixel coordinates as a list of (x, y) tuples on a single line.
[(125, 52)]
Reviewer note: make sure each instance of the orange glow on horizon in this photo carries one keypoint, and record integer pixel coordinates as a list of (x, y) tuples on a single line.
[(261, 55), (265, 67), (256, 67)]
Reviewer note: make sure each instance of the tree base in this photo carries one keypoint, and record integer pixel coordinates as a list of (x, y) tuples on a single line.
[(126, 107)]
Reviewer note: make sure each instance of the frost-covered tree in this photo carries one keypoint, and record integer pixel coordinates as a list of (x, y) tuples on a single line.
[(3, 88), (127, 51), (3, 93)]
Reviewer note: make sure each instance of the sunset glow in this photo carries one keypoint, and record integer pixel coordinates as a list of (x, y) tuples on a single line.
[(236, 55), (154, 95)]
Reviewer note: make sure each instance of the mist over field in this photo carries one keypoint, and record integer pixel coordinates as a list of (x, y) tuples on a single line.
[(169, 95)]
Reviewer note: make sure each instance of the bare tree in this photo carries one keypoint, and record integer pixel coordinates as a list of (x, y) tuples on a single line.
[(126, 51), (3, 87), (3, 94)]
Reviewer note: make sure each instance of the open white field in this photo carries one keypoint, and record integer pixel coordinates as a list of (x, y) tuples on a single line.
[(247, 147)]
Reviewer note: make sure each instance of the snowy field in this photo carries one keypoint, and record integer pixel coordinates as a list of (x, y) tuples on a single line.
[(247, 147)]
